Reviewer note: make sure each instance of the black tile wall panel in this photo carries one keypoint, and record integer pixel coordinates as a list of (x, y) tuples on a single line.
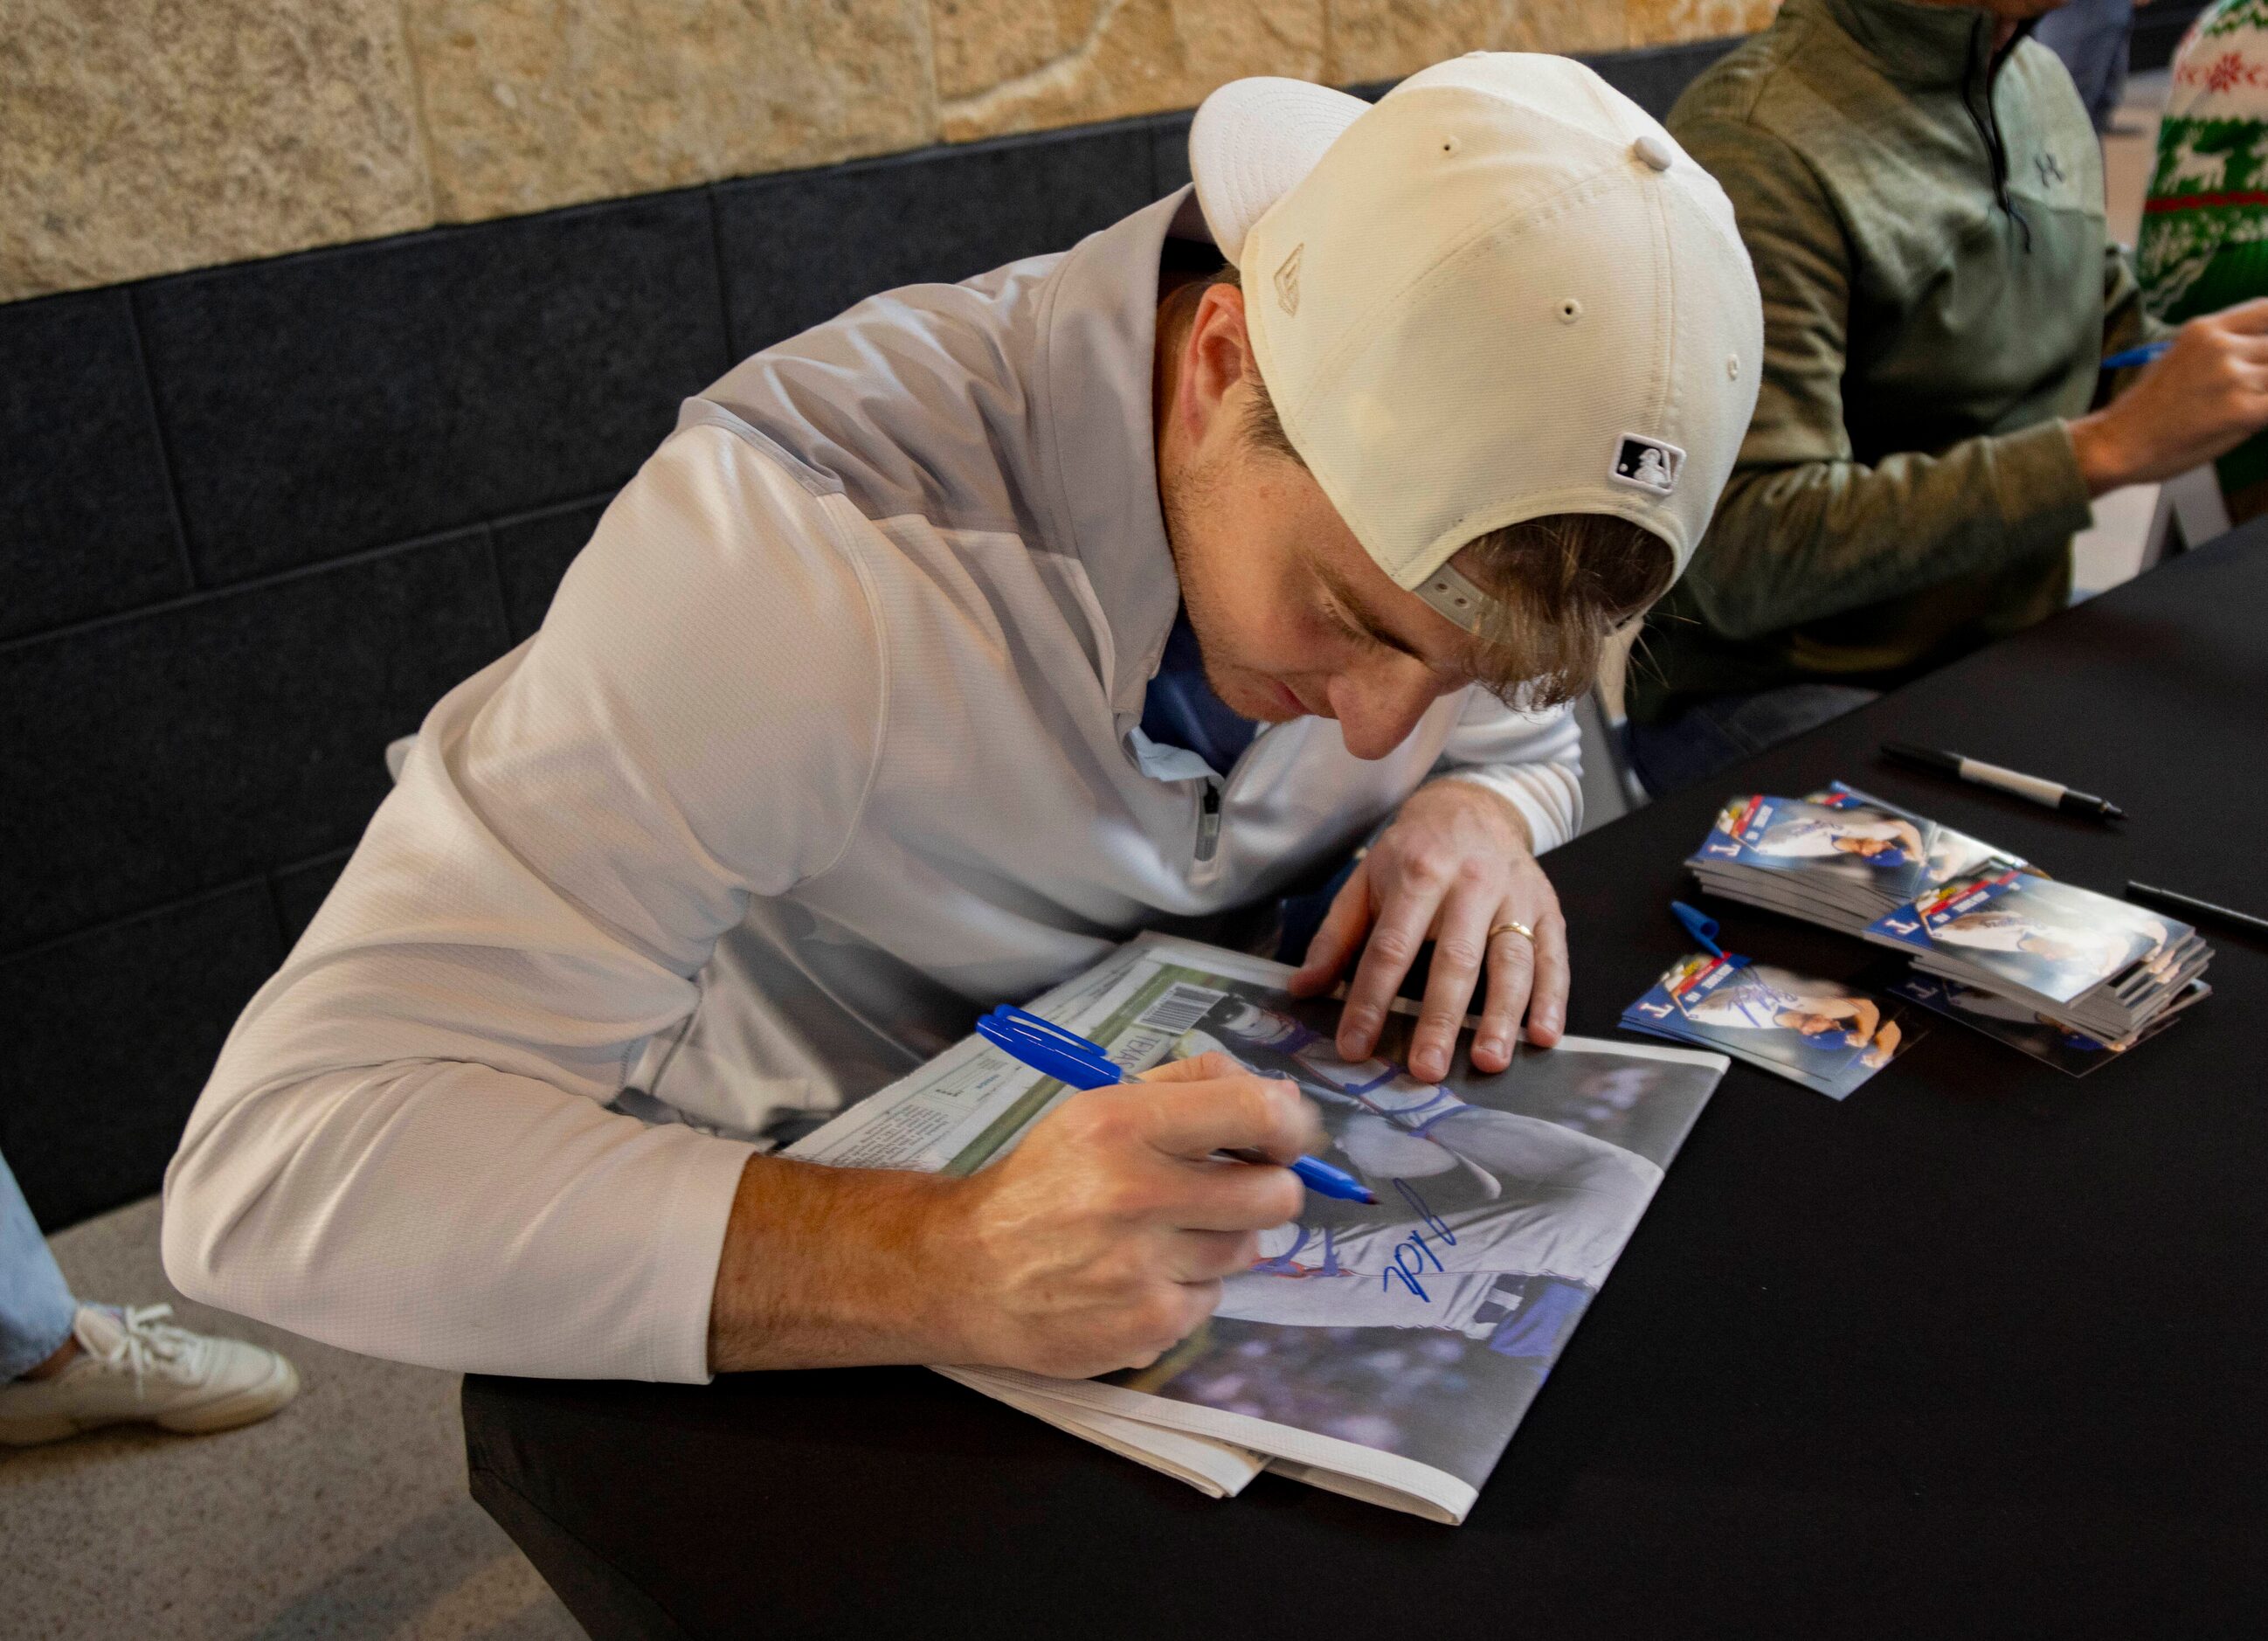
[(800, 247), (1655, 77), (326, 403), (111, 1036), (1169, 152), (532, 552), (160, 754), (86, 521), (301, 890), (2158, 29)]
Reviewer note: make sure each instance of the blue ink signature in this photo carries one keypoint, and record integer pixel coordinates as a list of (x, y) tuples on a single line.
[(1412, 1252)]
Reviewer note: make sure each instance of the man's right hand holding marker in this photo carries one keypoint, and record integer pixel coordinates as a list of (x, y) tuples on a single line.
[(1099, 1243), (2205, 395)]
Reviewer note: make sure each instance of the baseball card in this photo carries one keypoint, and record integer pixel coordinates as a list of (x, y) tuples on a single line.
[(1842, 837), (1823, 1034), (2050, 1042), (1951, 854), (2053, 939)]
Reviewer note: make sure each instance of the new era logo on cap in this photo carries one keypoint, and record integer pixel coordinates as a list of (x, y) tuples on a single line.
[(1287, 282), (1645, 464)]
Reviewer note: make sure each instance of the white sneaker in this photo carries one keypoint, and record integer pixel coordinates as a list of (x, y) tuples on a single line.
[(134, 1365)]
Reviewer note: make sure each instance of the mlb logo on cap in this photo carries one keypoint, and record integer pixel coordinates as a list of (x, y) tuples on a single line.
[(1645, 464)]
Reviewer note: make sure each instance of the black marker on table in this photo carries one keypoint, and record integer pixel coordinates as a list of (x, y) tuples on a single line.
[(2051, 793), (2203, 912)]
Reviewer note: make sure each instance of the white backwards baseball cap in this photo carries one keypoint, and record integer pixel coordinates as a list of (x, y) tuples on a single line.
[(1502, 293)]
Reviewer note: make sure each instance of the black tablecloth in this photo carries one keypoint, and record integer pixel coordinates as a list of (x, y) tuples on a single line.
[(1982, 1351)]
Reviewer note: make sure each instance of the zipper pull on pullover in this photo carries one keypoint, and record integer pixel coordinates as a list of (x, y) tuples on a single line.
[(1988, 124)]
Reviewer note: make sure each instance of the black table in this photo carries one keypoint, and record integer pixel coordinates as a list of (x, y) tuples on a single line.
[(1982, 1351)]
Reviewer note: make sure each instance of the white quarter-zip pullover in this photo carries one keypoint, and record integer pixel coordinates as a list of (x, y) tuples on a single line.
[(827, 743)]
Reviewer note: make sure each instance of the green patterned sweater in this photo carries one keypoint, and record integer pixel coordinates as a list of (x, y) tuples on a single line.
[(2205, 226)]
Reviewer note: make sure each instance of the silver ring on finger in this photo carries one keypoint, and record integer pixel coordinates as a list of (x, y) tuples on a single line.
[(1513, 925)]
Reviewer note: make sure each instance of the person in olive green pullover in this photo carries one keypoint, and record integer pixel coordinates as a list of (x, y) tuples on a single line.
[(1921, 193)]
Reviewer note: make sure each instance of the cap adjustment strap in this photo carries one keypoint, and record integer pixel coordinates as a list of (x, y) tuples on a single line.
[(1453, 593)]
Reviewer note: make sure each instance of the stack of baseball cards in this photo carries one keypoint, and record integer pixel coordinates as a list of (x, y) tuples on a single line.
[(1839, 857), (2069, 976), (1822, 1033), (2025, 1028), (2100, 968)]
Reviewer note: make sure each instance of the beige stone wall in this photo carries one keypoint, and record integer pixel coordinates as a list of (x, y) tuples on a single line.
[(142, 137)]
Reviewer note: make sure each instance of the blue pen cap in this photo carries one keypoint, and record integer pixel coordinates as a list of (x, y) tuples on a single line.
[(1045, 1047), (1700, 925)]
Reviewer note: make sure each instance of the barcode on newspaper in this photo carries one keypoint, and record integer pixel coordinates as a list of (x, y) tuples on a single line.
[(1181, 1007)]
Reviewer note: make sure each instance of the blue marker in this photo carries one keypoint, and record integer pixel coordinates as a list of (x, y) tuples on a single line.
[(1071, 1058), (2142, 355)]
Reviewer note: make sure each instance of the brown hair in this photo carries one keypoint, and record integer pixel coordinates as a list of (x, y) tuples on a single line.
[(1561, 584)]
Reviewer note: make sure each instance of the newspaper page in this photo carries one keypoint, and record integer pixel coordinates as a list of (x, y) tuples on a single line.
[(1387, 1351)]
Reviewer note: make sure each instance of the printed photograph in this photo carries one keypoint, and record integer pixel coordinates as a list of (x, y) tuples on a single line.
[(1423, 1326)]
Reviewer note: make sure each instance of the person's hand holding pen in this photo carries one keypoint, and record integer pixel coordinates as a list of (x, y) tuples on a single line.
[(1456, 868), (2204, 397), (1098, 1243)]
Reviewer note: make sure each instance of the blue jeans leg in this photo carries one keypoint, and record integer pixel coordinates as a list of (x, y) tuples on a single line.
[(1708, 738), (2091, 37), (36, 1307)]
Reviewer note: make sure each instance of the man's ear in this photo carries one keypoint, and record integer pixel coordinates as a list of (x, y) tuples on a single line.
[(1215, 358)]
